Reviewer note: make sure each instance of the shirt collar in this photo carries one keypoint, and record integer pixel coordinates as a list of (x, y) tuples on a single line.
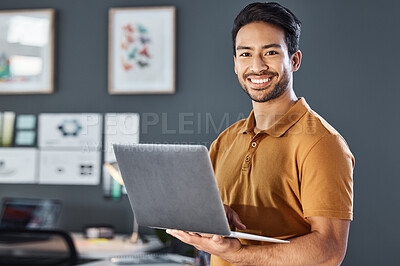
[(283, 124)]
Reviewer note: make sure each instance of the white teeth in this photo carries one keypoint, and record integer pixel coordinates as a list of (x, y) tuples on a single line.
[(259, 81)]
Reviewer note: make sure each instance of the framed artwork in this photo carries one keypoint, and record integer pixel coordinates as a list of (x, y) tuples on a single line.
[(141, 50), (26, 51)]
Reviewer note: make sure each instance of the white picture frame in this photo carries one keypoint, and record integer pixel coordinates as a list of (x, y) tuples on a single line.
[(141, 55)]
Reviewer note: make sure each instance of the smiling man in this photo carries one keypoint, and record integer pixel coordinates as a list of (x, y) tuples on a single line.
[(283, 172)]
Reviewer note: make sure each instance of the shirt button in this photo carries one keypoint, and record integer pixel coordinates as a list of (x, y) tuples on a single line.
[(247, 158), (253, 144)]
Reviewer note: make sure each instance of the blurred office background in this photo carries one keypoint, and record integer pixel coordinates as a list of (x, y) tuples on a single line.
[(348, 75)]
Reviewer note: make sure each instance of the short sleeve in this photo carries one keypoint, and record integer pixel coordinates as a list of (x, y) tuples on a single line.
[(327, 179), (213, 152)]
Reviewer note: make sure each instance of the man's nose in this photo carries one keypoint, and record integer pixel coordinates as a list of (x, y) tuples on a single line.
[(258, 64)]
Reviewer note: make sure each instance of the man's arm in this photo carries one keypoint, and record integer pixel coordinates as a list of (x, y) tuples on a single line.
[(326, 244)]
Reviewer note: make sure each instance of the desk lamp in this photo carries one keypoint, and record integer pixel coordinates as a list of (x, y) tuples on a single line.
[(113, 170)]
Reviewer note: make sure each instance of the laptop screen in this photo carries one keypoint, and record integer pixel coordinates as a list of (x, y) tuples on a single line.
[(29, 213)]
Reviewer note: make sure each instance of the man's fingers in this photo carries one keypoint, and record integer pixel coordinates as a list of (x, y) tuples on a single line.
[(233, 218), (237, 222), (206, 235), (187, 237), (217, 238)]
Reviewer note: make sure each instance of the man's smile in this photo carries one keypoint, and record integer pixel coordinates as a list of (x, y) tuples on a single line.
[(258, 82)]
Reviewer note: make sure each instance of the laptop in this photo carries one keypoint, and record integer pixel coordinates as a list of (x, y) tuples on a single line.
[(25, 213), (29, 213), (173, 187)]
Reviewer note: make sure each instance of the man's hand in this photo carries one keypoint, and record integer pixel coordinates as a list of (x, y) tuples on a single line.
[(214, 244), (233, 218)]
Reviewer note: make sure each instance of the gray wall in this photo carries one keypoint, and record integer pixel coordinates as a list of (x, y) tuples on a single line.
[(348, 75)]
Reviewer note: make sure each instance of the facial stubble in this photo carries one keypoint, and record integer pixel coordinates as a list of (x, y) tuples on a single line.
[(280, 87)]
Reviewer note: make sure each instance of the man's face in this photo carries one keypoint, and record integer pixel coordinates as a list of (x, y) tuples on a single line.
[(262, 63)]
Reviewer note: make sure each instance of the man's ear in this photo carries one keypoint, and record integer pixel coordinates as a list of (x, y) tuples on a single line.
[(296, 60), (234, 61)]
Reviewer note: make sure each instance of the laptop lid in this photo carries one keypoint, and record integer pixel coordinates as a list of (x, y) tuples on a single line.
[(172, 186)]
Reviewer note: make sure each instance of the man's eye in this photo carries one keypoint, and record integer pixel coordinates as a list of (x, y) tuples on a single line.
[(271, 53), (245, 54)]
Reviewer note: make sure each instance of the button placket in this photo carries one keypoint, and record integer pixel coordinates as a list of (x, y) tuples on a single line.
[(249, 155)]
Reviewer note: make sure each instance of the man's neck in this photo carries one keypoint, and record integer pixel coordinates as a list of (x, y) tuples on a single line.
[(267, 113)]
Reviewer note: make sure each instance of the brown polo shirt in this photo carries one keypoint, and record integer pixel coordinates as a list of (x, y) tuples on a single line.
[(299, 167)]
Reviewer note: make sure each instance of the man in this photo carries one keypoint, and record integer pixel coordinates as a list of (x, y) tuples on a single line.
[(283, 172)]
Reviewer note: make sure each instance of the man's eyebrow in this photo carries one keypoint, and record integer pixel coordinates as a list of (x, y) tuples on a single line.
[(273, 45)]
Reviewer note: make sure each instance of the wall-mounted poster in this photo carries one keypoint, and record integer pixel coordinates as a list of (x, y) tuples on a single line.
[(119, 128), (80, 131), (18, 165), (69, 167), (141, 50), (26, 51)]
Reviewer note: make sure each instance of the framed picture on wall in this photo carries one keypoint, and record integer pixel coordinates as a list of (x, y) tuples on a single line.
[(26, 51), (141, 50)]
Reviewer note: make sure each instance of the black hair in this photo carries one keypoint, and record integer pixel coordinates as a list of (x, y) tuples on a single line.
[(272, 13)]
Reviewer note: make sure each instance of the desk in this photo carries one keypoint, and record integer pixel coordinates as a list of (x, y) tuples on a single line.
[(167, 260), (119, 245)]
